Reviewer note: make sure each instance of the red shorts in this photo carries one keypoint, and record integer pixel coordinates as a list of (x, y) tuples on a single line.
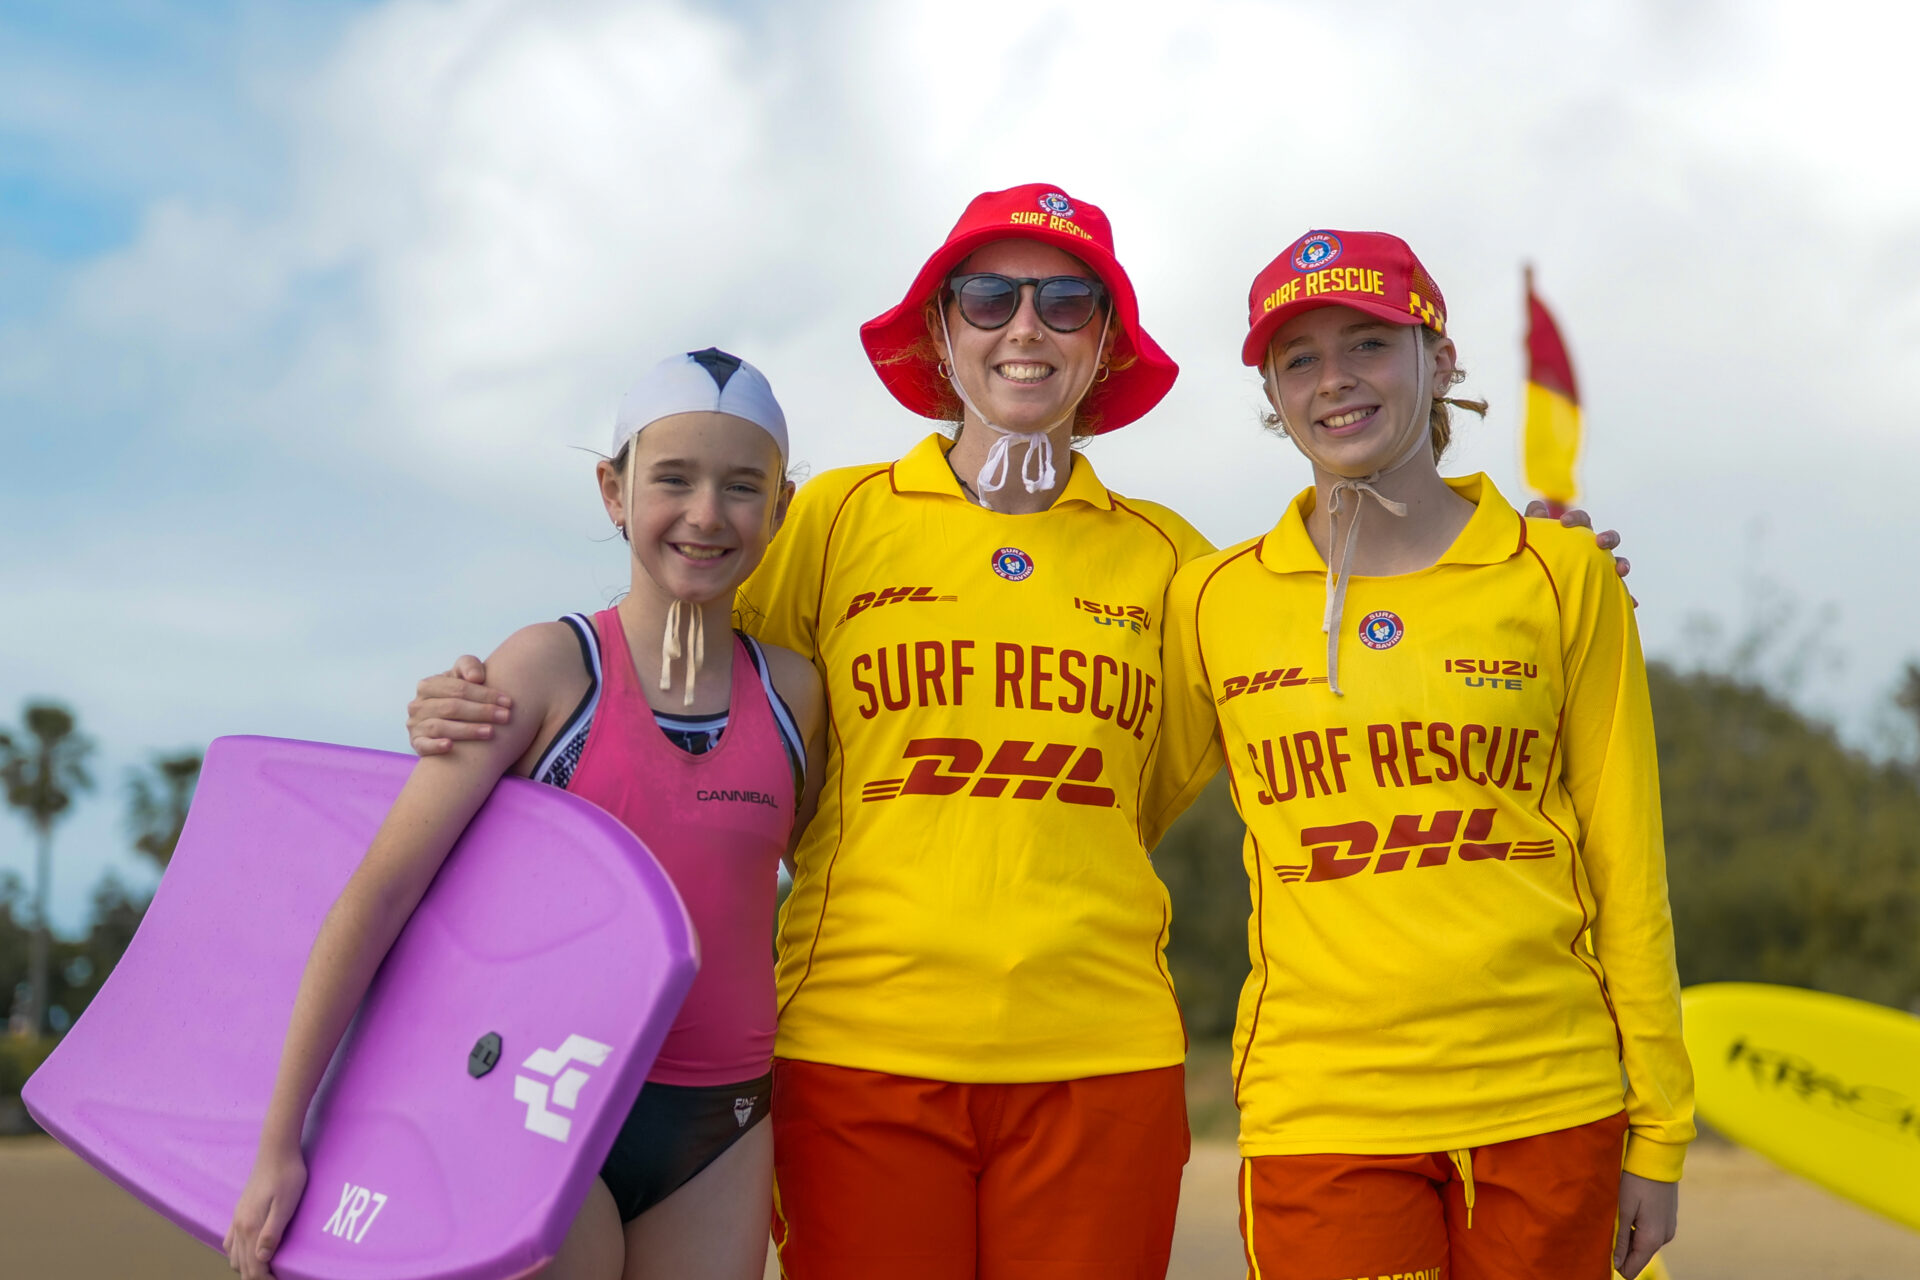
[(880, 1177), (1540, 1206)]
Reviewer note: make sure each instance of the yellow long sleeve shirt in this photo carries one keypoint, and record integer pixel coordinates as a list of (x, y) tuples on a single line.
[(1460, 932), (973, 900)]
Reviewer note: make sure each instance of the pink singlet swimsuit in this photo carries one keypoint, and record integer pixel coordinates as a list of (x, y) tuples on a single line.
[(718, 821)]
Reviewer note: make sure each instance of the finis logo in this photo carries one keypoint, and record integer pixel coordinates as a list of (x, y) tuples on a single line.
[(565, 1090), (1344, 849), (742, 1111), (945, 767), (345, 1222), (891, 595), (1875, 1104), (1261, 681)]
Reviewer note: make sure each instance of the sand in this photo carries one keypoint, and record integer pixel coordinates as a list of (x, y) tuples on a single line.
[(1740, 1219)]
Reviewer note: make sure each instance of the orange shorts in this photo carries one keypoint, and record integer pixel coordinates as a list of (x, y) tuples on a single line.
[(1540, 1206), (880, 1177)]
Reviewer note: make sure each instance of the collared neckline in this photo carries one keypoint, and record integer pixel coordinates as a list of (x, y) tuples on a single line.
[(924, 469), (1494, 532)]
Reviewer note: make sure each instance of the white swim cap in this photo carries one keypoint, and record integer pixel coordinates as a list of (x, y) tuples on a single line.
[(709, 381)]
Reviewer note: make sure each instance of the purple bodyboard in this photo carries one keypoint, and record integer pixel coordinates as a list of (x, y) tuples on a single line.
[(549, 926)]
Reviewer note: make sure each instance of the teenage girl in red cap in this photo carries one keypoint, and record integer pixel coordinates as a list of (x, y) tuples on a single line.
[(1435, 716)]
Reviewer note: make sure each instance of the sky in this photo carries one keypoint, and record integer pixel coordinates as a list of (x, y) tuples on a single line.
[(309, 312)]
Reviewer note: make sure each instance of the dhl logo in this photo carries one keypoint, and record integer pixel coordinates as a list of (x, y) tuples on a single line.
[(891, 595), (948, 766), (1261, 681), (1348, 848), (1117, 615)]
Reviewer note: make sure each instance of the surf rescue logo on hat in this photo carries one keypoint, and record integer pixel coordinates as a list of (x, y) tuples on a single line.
[(1013, 564), (1056, 204), (1317, 249), (1381, 629)]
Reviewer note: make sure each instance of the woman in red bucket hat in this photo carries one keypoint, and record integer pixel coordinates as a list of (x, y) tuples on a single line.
[(980, 1055), (1458, 1051)]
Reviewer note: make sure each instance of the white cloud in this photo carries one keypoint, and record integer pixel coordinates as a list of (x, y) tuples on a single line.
[(495, 211)]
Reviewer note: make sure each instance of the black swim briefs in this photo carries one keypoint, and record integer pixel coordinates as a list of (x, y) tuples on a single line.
[(675, 1131)]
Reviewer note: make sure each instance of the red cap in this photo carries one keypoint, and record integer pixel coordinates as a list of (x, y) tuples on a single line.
[(1141, 371), (1369, 271)]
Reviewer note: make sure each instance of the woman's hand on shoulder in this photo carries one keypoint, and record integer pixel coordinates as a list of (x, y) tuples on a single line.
[(461, 704), (534, 669), (1577, 518), (266, 1205), (456, 706)]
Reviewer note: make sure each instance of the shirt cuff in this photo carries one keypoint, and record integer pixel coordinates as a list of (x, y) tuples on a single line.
[(1658, 1161)]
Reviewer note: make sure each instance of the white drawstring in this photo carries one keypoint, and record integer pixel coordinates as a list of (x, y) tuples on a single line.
[(696, 649), (1036, 468), (1337, 581), (1337, 577)]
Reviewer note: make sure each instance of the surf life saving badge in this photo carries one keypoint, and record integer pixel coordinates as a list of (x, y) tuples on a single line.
[(1013, 564), (1381, 629), (1317, 249), (1056, 204)]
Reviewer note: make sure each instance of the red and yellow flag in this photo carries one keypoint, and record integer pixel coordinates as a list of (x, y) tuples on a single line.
[(1551, 437)]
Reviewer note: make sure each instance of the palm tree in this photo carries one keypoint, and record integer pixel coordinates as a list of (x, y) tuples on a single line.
[(42, 770), (157, 801)]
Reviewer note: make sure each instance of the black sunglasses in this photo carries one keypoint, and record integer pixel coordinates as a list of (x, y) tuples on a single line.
[(1063, 303)]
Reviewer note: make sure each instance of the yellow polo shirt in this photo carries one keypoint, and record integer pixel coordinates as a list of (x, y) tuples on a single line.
[(973, 901), (1460, 932)]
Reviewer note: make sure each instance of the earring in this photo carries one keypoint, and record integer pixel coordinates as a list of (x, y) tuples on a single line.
[(1106, 371), (946, 371)]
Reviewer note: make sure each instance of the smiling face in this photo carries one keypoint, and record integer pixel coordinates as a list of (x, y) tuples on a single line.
[(1024, 376), (1354, 391), (708, 491)]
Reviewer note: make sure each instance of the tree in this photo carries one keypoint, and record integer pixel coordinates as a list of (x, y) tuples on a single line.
[(43, 768), (1907, 699), (157, 801)]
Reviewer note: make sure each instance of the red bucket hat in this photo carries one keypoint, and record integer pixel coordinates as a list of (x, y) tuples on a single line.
[(1141, 372), (1369, 271)]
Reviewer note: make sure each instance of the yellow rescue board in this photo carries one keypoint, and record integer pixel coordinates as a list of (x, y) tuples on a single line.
[(1824, 1086)]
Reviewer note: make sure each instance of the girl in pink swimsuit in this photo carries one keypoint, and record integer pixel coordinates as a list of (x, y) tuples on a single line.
[(703, 750)]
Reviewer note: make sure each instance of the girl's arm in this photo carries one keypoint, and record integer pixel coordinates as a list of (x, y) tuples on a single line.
[(798, 682), (1612, 774), (433, 808), (1187, 753)]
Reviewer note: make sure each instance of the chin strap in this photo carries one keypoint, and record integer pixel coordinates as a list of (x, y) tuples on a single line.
[(1358, 486), (695, 651), (1036, 467)]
